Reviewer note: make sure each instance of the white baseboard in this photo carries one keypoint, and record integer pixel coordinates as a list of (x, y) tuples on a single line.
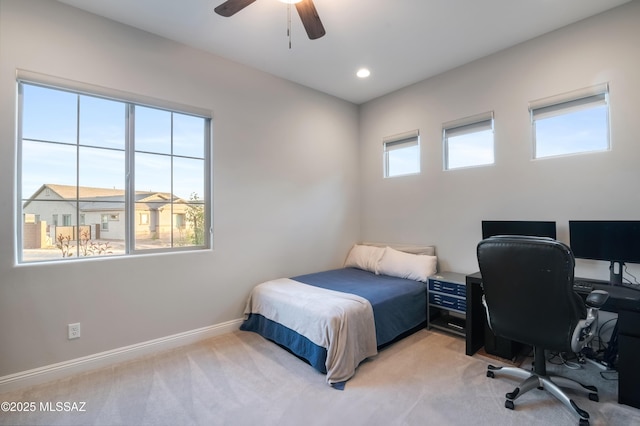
[(102, 359)]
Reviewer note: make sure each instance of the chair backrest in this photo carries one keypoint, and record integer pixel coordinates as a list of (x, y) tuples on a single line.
[(528, 289)]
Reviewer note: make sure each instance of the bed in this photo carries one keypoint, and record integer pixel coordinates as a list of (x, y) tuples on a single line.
[(336, 319)]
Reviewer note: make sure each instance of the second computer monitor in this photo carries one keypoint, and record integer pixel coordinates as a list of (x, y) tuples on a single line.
[(518, 227)]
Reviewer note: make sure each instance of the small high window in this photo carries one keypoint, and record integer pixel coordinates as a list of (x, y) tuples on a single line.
[(402, 154), (571, 123), (468, 141)]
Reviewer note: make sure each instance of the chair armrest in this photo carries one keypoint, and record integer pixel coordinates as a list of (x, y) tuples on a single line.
[(585, 330), (597, 298)]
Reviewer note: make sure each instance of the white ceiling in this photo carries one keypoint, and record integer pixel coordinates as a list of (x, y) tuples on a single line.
[(400, 41)]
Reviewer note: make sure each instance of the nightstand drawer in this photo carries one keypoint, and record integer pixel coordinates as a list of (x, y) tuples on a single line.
[(448, 302), (454, 289)]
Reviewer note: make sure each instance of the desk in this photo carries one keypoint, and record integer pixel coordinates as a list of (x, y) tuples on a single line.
[(476, 317), (624, 301)]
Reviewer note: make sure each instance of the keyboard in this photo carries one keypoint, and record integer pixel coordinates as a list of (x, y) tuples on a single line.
[(620, 297), (582, 286)]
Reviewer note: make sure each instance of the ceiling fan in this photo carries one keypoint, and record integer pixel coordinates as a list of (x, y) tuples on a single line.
[(306, 10)]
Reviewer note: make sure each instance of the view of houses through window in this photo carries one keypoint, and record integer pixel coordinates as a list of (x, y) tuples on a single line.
[(76, 152)]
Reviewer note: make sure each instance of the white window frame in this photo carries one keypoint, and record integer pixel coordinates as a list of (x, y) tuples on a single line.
[(567, 103), (400, 141), (466, 126), (37, 79)]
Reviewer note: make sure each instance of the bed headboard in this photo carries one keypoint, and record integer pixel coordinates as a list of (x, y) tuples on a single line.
[(407, 248)]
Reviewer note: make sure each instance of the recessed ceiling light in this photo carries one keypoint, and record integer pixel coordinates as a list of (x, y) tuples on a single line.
[(363, 73)]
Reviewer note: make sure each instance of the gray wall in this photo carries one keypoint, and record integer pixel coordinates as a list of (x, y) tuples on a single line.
[(447, 207), (285, 162)]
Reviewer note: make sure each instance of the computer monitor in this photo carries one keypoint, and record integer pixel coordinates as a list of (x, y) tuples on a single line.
[(518, 227), (614, 241)]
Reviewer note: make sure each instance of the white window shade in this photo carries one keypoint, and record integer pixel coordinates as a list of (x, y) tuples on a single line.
[(400, 140), (469, 124), (576, 100)]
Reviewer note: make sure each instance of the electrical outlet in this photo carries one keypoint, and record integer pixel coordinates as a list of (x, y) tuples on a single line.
[(74, 330)]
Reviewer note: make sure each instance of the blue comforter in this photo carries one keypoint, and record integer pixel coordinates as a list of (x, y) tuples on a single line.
[(398, 304)]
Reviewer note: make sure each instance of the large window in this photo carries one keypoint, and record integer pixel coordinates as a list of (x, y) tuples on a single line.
[(468, 141), (571, 123), (402, 154), (100, 162)]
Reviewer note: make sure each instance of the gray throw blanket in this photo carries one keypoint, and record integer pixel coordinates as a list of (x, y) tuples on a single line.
[(340, 322)]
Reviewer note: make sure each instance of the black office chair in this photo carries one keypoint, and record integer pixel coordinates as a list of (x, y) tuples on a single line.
[(529, 298)]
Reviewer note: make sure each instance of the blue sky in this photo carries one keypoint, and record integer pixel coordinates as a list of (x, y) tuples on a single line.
[(582, 130), (51, 115), (471, 149)]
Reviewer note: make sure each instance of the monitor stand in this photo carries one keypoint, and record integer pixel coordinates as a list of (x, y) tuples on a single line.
[(615, 272)]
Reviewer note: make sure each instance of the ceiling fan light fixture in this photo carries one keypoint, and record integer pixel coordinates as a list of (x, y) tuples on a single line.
[(290, 1)]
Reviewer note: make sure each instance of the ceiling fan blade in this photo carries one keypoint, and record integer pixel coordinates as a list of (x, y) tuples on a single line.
[(231, 7), (310, 19)]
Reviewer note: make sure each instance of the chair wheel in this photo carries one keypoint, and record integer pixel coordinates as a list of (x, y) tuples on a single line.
[(491, 374), (512, 395), (591, 388), (509, 404), (594, 397)]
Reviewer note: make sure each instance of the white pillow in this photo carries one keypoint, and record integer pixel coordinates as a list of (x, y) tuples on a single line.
[(417, 267), (364, 257)]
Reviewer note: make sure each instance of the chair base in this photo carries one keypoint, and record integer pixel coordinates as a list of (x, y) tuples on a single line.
[(552, 384)]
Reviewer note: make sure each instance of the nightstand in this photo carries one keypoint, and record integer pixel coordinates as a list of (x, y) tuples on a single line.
[(447, 302)]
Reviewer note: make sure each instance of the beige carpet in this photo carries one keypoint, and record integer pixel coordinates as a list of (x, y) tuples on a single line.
[(242, 379)]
